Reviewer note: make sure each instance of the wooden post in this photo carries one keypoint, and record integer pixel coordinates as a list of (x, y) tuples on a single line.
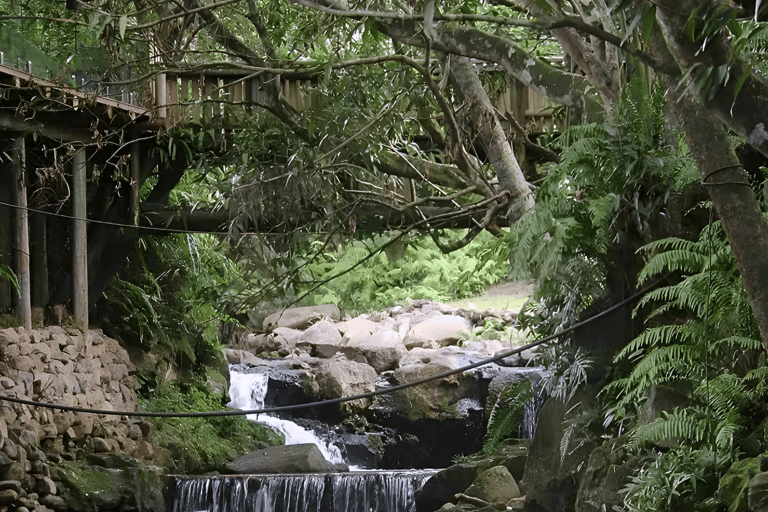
[(161, 100), (7, 215), (39, 261), (24, 305), (135, 178), (79, 242)]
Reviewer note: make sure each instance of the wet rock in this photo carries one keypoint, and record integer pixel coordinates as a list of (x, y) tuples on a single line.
[(302, 317), (757, 493), (108, 482), (441, 329), (444, 485), (339, 378), (297, 458), (494, 485), (321, 340)]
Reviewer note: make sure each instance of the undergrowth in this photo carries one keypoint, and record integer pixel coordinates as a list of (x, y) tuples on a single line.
[(423, 272), (201, 445)]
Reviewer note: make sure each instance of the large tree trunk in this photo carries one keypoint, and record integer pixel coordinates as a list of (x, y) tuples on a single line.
[(733, 200), (485, 123), (727, 184)]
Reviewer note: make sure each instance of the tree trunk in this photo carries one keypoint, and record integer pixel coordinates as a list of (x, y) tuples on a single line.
[(485, 123), (733, 200), (700, 120)]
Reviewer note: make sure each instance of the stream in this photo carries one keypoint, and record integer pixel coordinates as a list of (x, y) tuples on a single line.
[(355, 491)]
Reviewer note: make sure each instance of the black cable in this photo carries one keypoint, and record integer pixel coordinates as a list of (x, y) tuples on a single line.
[(333, 401)]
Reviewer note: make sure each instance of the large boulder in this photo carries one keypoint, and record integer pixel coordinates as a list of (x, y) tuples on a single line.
[(494, 485), (321, 340), (383, 350), (757, 493), (552, 477), (302, 317), (339, 378), (107, 482), (609, 469), (357, 328), (733, 488), (296, 458), (444, 485), (268, 342), (441, 330), (437, 399)]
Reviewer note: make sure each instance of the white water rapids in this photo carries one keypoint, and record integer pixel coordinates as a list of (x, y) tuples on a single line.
[(247, 392)]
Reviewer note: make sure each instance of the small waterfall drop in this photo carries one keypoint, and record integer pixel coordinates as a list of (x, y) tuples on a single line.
[(247, 392), (380, 491)]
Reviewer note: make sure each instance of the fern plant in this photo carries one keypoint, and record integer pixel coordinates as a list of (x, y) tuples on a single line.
[(604, 197), (7, 274), (506, 414), (700, 332), (699, 326)]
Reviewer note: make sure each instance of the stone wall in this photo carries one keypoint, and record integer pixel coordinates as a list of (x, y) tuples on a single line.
[(57, 365)]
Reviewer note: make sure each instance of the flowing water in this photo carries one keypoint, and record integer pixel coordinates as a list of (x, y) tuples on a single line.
[(356, 491), (247, 392), (374, 491)]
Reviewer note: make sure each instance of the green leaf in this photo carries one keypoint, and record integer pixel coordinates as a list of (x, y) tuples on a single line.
[(121, 24), (649, 20)]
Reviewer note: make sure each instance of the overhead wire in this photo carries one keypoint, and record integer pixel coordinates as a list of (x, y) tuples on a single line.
[(332, 401)]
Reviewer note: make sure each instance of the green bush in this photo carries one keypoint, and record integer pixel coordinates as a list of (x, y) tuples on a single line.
[(361, 277), (201, 445)]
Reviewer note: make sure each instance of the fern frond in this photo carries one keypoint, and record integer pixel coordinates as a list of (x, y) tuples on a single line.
[(670, 261), (686, 425), (654, 337), (506, 414)]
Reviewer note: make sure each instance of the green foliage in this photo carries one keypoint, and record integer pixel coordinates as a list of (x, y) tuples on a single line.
[(566, 370), (506, 414), (675, 480), (166, 299), (371, 280), (200, 445), (714, 323), (7, 274), (701, 331), (604, 197)]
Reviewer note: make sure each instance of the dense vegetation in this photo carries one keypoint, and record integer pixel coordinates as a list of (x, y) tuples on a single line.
[(401, 176)]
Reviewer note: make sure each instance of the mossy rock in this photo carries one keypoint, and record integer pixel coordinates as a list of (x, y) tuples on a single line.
[(733, 485), (109, 482)]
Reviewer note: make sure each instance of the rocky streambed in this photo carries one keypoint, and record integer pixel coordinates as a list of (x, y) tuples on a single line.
[(311, 354), (54, 460)]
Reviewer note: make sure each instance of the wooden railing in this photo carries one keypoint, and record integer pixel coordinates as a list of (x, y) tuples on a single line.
[(226, 96)]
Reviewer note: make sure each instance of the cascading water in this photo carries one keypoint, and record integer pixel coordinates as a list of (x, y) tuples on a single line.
[(357, 491), (247, 392), (380, 491)]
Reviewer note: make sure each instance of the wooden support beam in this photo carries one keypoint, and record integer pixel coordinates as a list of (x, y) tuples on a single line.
[(135, 178), (11, 123), (79, 242), (24, 304), (161, 99), (7, 188), (39, 260)]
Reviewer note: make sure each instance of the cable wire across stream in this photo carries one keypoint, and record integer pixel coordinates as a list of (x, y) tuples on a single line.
[(332, 401)]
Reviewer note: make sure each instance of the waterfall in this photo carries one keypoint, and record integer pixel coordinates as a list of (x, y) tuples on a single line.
[(247, 392), (380, 491), (530, 420)]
